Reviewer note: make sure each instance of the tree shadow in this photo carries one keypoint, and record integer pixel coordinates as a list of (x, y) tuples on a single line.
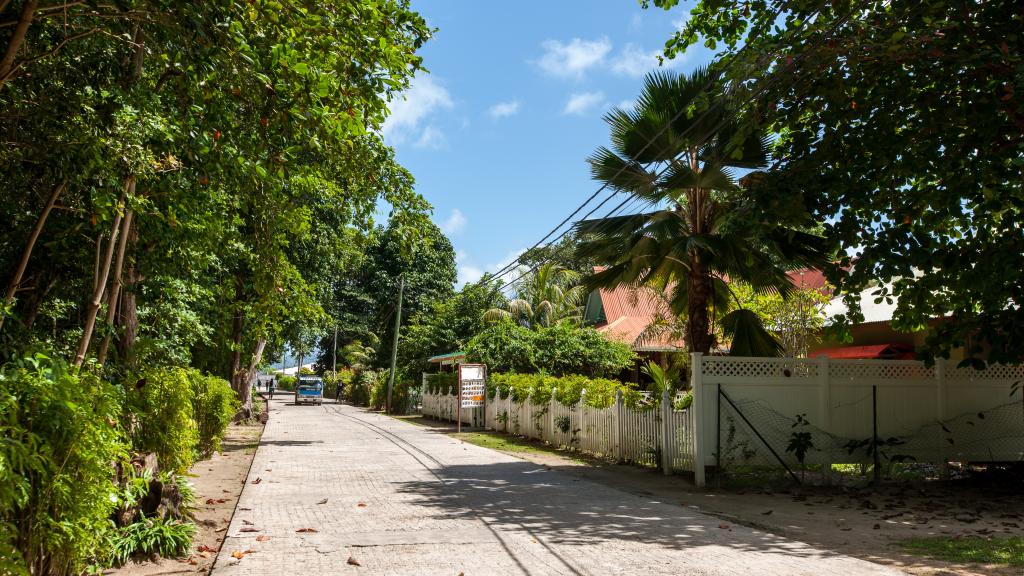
[(563, 510)]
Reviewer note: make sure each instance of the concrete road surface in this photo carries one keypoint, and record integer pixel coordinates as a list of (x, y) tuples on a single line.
[(337, 490)]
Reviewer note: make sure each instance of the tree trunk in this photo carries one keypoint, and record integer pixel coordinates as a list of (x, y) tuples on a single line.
[(247, 379), (101, 279), (115, 284), (698, 326), (28, 12), (237, 328), (19, 272), (129, 317)]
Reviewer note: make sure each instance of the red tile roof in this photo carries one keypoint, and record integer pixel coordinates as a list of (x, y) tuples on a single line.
[(629, 311)]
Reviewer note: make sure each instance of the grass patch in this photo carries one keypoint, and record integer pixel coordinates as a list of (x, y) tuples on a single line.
[(1006, 550), (514, 444)]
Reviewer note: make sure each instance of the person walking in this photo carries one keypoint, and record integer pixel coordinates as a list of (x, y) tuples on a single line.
[(270, 387)]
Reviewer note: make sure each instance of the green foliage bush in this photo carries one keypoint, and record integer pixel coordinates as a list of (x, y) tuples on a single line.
[(161, 418), (59, 443), (286, 383), (440, 382), (600, 392), (358, 390), (214, 404), (568, 349), (504, 347), (559, 350), (331, 381)]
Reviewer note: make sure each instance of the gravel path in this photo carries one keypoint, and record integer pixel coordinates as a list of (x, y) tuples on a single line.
[(389, 497)]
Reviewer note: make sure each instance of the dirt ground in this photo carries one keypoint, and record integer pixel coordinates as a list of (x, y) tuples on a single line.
[(864, 523), (218, 482)]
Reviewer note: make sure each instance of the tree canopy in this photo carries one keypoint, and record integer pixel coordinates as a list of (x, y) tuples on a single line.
[(899, 125)]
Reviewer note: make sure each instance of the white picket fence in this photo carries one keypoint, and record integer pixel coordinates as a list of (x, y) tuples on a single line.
[(941, 413), (660, 437)]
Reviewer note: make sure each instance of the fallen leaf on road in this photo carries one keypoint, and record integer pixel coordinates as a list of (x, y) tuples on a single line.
[(353, 561), (361, 504), (249, 529), (246, 522), (221, 529), (723, 526), (324, 501), (262, 538), (307, 530), (217, 501), (246, 509), (269, 470), (238, 554), (768, 513), (257, 481), (205, 548), (193, 561)]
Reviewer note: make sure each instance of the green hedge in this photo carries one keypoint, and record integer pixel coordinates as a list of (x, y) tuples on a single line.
[(161, 419), (286, 383), (60, 442), (563, 349), (568, 389), (214, 405)]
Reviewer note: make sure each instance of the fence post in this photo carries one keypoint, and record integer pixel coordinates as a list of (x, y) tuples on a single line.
[(825, 411), (666, 442), (551, 416), (617, 425), (940, 407), (697, 415)]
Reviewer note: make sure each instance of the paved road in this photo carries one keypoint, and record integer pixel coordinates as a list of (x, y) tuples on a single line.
[(404, 500)]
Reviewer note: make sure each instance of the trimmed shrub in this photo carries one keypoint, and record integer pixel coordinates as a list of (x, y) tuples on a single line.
[(504, 347), (568, 389), (60, 442), (161, 420), (559, 350), (214, 404)]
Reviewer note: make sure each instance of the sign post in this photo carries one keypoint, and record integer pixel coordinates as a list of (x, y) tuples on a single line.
[(472, 387)]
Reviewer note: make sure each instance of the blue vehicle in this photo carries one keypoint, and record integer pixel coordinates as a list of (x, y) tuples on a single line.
[(309, 390)]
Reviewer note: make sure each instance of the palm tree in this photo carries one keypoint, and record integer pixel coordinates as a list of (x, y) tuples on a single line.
[(702, 226), (547, 296)]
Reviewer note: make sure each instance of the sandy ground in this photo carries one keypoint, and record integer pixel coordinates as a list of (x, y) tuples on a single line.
[(218, 481), (863, 523)]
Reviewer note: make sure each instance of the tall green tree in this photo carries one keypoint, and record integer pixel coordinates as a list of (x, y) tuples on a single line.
[(544, 297), (680, 151), (899, 124)]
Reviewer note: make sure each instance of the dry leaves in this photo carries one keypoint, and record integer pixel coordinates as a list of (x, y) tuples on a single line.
[(257, 480), (262, 538), (324, 501), (205, 548), (246, 522), (211, 501), (249, 529), (300, 530), (361, 504), (353, 561), (724, 526)]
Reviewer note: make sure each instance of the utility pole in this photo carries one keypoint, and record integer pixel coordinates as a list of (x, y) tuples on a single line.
[(334, 353), (394, 344)]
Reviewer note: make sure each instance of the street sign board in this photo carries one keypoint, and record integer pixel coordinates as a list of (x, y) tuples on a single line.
[(471, 384)]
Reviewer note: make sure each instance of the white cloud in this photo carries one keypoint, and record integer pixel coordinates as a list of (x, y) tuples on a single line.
[(455, 223), (579, 104), (469, 274), (432, 137), (627, 105), (680, 21), (413, 108), (503, 109), (573, 59), (634, 61)]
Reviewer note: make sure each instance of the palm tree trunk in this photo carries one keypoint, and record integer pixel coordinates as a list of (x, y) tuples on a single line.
[(698, 325)]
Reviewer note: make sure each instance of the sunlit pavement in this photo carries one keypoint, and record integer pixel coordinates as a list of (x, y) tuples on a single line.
[(335, 490)]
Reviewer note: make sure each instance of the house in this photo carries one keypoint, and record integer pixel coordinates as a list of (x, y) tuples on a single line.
[(448, 362), (625, 314)]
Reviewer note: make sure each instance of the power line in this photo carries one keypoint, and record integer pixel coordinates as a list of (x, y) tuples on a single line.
[(790, 65)]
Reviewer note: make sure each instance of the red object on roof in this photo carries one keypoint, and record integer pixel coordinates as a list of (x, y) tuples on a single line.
[(872, 352)]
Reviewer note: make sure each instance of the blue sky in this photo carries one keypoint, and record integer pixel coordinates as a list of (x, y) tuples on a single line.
[(497, 133)]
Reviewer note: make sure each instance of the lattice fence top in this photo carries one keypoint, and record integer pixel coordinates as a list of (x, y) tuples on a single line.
[(736, 367), (880, 370), (996, 372), (732, 369)]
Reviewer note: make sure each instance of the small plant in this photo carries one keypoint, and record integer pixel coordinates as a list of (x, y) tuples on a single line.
[(684, 402), (800, 440), (168, 538), (563, 423)]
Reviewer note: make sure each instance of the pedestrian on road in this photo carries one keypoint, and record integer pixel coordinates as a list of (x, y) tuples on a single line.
[(270, 387), (337, 392)]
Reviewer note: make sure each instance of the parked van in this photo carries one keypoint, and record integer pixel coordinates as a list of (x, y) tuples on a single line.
[(309, 390)]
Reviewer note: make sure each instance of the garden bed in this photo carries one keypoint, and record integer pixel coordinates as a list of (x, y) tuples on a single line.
[(218, 482)]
